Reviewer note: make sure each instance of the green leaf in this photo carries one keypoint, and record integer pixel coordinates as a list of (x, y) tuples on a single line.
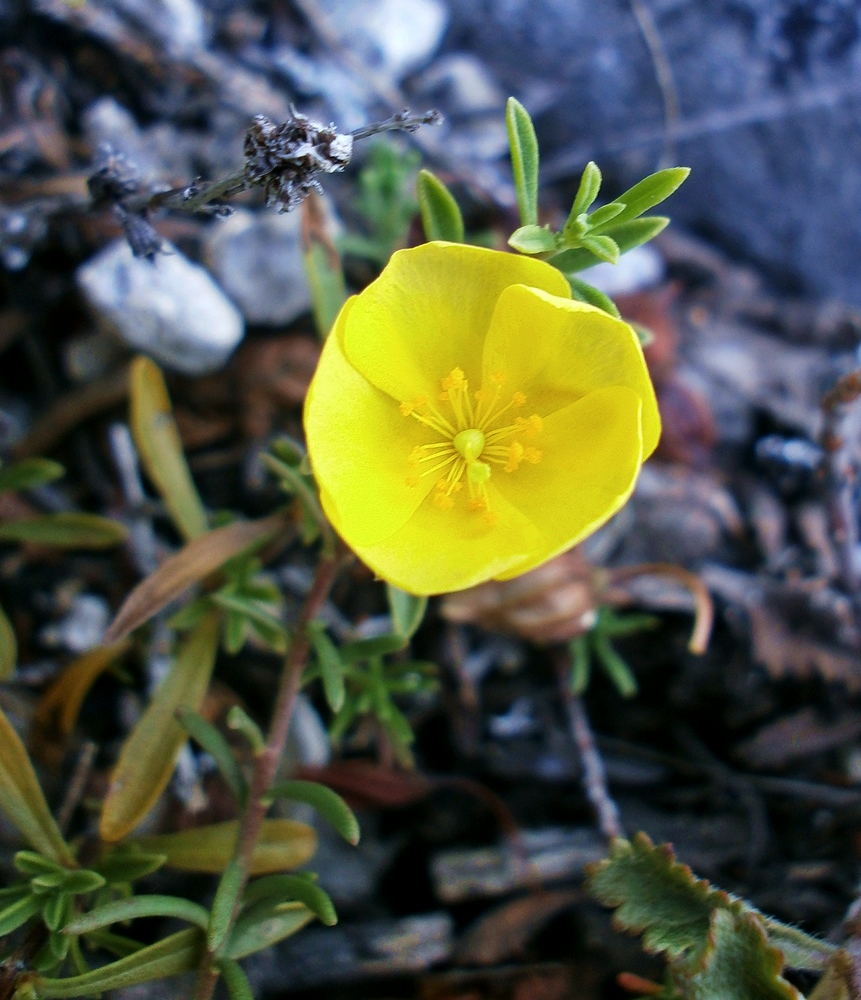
[(18, 913), (175, 954), (263, 925), (533, 239), (295, 888), (581, 664), (601, 216), (800, 950), (31, 863), (381, 645), (22, 801), (160, 448), (139, 906), (407, 610), (331, 668), (148, 756), (82, 881), (650, 191), (8, 647), (739, 964), (224, 905), (56, 910), (618, 671), (128, 863), (655, 895), (603, 247), (235, 979), (211, 740), (255, 614), (67, 531), (328, 804), (30, 472), (441, 216), (325, 279), (524, 160), (587, 192), (584, 292), (626, 236), (241, 722)]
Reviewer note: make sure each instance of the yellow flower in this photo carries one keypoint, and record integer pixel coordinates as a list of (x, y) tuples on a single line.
[(468, 420)]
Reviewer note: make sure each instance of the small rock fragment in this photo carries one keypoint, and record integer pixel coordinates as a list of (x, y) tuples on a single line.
[(170, 309)]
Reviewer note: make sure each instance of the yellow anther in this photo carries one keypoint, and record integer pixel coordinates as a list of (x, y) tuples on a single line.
[(530, 426), (477, 503), (532, 455), (456, 487), (421, 401), (443, 501), (443, 396), (498, 378), (406, 408), (442, 484), (490, 518), (481, 395), (518, 399), (515, 456)]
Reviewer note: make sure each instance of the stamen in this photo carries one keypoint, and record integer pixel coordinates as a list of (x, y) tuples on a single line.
[(515, 456)]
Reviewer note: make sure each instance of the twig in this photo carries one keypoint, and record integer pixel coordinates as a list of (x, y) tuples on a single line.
[(75, 791), (594, 774), (664, 74), (267, 761)]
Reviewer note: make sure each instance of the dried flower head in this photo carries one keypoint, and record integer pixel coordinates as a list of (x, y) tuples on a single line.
[(285, 159)]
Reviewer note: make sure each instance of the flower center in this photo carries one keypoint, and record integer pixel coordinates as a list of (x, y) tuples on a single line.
[(471, 427)]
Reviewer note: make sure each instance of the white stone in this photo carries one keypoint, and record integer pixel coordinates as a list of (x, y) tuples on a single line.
[(170, 309), (642, 267), (257, 260)]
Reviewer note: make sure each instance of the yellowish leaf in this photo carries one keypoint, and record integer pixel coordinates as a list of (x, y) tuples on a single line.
[(193, 563), (60, 704), (158, 442), (8, 647), (22, 801), (149, 754), (283, 844)]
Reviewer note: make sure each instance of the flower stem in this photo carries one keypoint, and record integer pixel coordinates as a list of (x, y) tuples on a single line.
[(267, 760)]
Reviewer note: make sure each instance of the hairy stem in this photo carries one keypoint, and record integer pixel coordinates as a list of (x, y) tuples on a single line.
[(266, 762)]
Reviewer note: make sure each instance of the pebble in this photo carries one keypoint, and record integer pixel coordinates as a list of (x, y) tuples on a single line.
[(640, 268), (171, 309), (257, 260), (82, 627)]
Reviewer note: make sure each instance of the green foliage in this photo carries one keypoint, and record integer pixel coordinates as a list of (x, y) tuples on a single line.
[(441, 216), (524, 160), (596, 645), (718, 947), (211, 740), (328, 804), (385, 201)]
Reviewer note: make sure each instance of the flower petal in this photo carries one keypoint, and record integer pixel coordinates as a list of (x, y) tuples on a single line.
[(591, 455), (438, 551), (360, 444), (556, 350), (429, 311)]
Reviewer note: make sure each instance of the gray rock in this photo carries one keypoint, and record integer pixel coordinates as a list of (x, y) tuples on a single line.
[(257, 259), (393, 37), (770, 107), (178, 24), (82, 627), (170, 309)]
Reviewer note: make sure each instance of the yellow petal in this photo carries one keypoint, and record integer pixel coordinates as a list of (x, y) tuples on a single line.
[(556, 350), (360, 445), (438, 551), (429, 311), (591, 454)]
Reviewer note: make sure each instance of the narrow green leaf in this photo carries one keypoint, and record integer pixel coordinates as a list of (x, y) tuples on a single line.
[(160, 448), (626, 236), (8, 647), (603, 247), (66, 531), (325, 279), (331, 668), (601, 216), (441, 216), (29, 473), (224, 905), (618, 671), (587, 192), (82, 881), (31, 863), (175, 954), (22, 801), (407, 610), (328, 804), (49, 882), (381, 645), (254, 611), (137, 907), (211, 740), (293, 888), (56, 910), (533, 239), (584, 292), (581, 664), (263, 925), (524, 160), (18, 913), (235, 979), (149, 754), (650, 191), (241, 722), (128, 863)]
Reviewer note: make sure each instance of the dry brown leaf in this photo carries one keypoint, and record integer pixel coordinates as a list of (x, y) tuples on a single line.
[(193, 563)]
